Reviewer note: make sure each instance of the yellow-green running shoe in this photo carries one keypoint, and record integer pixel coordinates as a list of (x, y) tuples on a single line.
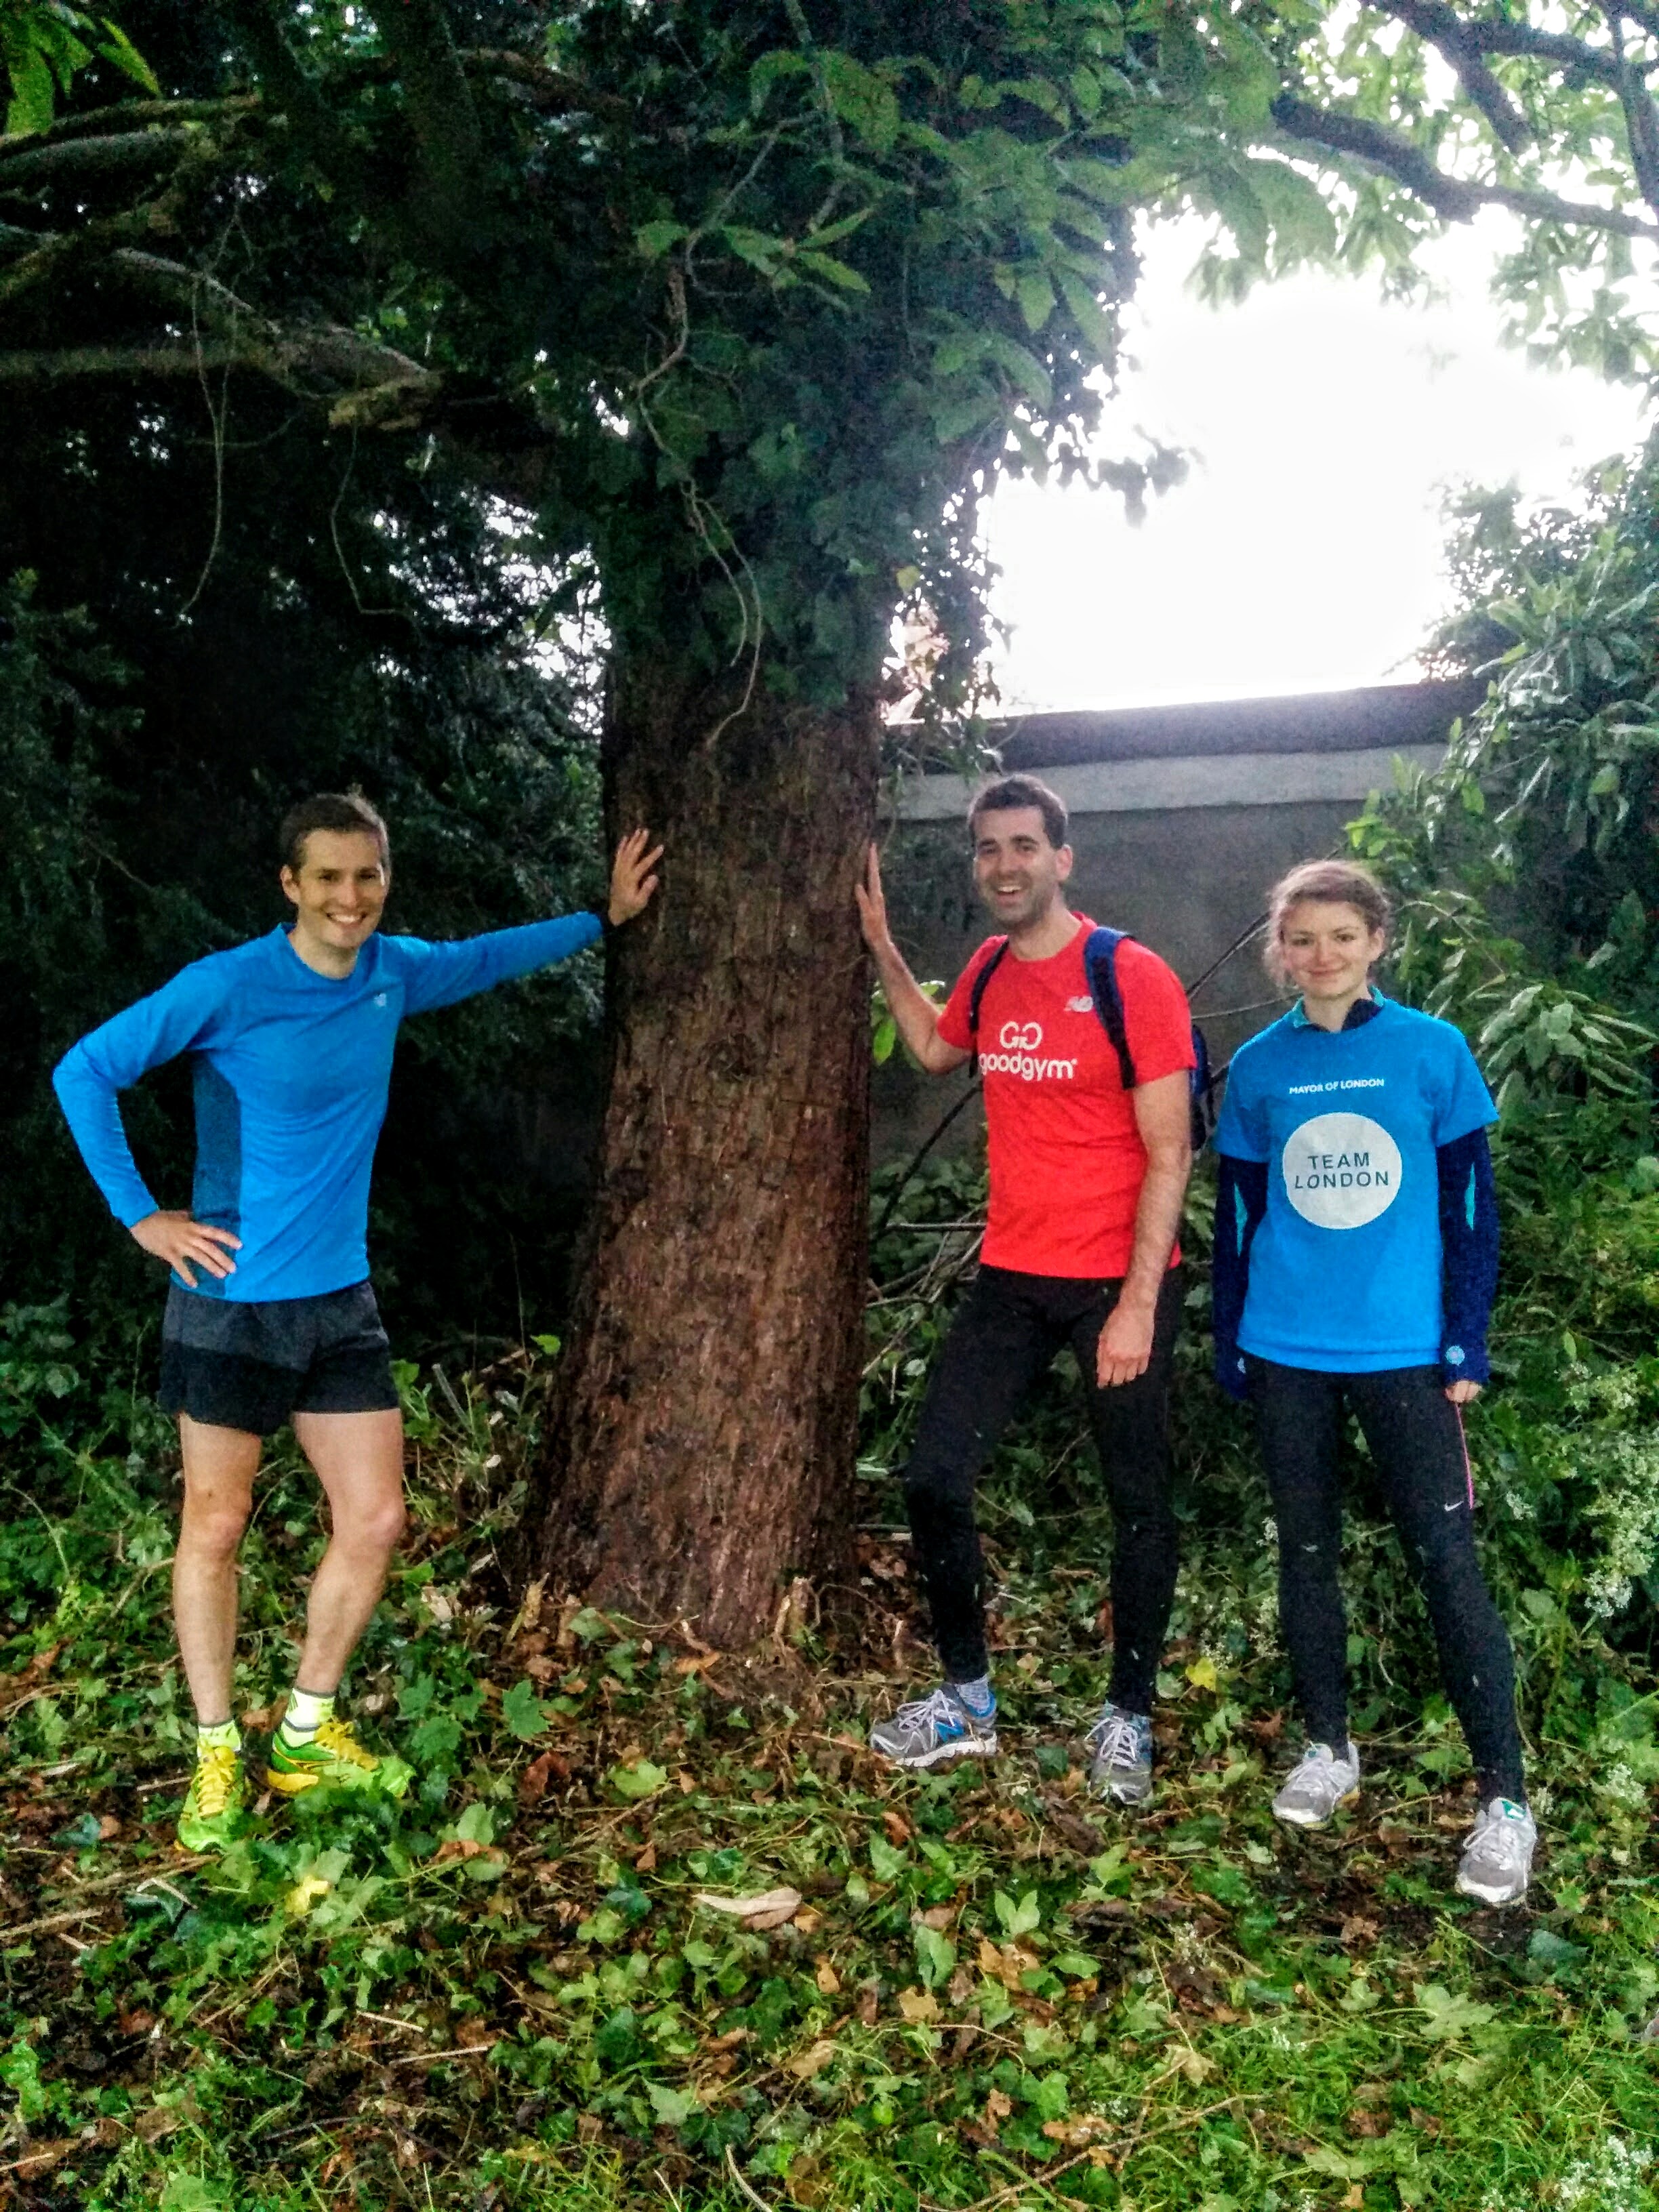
[(333, 1758), (211, 1815)]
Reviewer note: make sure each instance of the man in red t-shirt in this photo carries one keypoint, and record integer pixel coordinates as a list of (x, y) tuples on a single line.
[(1087, 1181)]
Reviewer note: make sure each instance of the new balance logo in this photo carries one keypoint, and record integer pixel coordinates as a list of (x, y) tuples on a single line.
[(1085, 1004)]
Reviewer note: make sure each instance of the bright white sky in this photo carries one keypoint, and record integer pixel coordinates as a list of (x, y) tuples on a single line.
[(1304, 552)]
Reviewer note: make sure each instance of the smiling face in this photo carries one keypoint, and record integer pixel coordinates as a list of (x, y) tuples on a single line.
[(338, 893), (1017, 871), (1328, 948)]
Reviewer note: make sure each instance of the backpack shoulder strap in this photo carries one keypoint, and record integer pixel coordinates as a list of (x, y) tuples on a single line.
[(1100, 962), (977, 993)]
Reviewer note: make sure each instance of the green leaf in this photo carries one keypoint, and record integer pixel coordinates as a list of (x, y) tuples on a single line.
[(1036, 295), (117, 47), (1224, 1882), (757, 247), (832, 271), (882, 1043), (768, 70), (638, 1781), (673, 2107), (861, 99), (654, 239), (34, 95), (1017, 1919), (476, 1825), (1446, 2016), (523, 1711), (887, 1862), (936, 1955)]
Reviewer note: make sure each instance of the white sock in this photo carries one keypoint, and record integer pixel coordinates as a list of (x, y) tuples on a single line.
[(307, 1712)]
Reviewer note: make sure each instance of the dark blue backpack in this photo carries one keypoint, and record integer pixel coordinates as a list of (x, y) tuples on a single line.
[(1100, 964)]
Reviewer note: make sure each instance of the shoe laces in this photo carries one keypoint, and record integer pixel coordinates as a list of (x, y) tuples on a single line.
[(335, 1736), (938, 1705), (1117, 1738), (215, 1779), (1499, 1836)]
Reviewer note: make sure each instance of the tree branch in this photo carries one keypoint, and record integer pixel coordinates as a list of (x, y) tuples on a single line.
[(441, 112), (1459, 41), (1639, 119), (24, 161), (102, 122), (385, 390), (1456, 199), (550, 88)]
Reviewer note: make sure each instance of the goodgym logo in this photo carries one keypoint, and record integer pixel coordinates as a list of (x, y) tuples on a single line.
[(1021, 1043)]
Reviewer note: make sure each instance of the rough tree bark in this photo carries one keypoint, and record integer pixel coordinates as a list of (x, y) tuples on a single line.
[(703, 1443)]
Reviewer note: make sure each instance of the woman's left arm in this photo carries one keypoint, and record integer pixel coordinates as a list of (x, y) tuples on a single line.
[(1469, 1245)]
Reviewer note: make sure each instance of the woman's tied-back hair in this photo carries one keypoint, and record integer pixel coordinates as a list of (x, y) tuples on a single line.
[(348, 811), (1329, 882)]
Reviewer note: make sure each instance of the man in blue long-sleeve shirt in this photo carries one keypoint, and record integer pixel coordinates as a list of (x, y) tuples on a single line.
[(270, 1314)]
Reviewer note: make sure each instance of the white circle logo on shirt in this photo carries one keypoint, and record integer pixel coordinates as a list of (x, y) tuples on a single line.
[(1342, 1171)]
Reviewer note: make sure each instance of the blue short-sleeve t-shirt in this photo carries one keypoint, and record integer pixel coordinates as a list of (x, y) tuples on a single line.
[(1345, 1265)]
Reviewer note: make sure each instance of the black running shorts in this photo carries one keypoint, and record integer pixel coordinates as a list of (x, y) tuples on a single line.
[(250, 1366)]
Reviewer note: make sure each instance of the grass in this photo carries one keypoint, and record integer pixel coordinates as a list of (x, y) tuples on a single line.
[(993, 1990)]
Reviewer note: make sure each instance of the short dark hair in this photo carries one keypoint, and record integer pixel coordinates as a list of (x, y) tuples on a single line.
[(1008, 791), (344, 811)]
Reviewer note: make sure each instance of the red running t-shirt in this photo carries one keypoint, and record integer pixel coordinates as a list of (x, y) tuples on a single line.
[(1066, 1158)]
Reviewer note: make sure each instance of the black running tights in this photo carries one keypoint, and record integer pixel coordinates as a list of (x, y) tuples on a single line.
[(1416, 1441), (1005, 1335)]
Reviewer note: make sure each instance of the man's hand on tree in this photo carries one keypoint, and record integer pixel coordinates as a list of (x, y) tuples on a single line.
[(1124, 1350), (181, 1242), (631, 880), (873, 905)]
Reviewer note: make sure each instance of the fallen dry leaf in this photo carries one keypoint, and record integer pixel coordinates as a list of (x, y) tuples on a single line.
[(997, 2109), (807, 1920), (647, 1861), (1193, 2064), (807, 2064), (473, 2032), (867, 2010), (918, 2005), (771, 1909), (1086, 2128), (1357, 1929), (937, 1916), (827, 1980), (899, 1830), (729, 2041)]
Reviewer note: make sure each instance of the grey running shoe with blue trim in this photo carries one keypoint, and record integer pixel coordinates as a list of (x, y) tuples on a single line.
[(1121, 1747), (1496, 1861), (935, 1727), (1322, 1779)]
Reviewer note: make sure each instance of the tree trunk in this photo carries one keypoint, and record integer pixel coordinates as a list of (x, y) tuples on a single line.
[(702, 1447)]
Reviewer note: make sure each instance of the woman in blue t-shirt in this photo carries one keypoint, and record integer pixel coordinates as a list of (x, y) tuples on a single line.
[(1356, 1255)]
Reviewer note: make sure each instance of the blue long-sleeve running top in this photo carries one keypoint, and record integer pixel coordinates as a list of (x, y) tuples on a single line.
[(1375, 1244), (292, 1070)]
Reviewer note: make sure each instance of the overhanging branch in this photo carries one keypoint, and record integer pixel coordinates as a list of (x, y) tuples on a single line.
[(25, 161), (1457, 199), (1451, 36)]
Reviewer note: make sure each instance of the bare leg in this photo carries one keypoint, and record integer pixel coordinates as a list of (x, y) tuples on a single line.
[(359, 1459), (220, 1465)]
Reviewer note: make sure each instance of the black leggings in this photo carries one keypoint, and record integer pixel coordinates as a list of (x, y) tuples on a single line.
[(1004, 1338), (1416, 1440)]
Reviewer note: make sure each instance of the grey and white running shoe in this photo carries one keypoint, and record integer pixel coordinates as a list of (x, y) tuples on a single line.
[(1496, 1861), (1121, 1767), (935, 1727), (1317, 1784)]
